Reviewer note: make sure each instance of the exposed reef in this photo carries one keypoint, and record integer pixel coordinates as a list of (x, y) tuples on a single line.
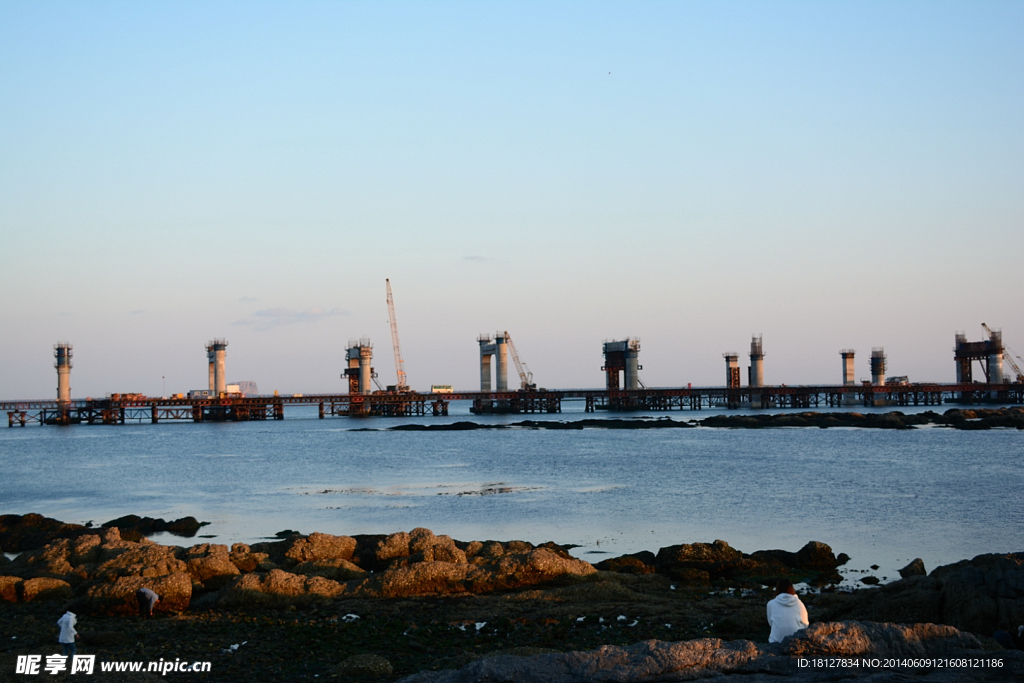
[(955, 418), (27, 532), (384, 607)]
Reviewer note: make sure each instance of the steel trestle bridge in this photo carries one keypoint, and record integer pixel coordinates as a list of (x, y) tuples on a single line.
[(135, 408)]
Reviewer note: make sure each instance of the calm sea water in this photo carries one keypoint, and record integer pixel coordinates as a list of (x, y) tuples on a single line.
[(883, 497)]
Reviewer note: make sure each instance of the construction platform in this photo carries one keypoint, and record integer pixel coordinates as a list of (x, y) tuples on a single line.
[(133, 408)]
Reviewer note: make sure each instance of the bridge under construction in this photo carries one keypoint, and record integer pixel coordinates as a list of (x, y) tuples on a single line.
[(624, 390), (133, 408)]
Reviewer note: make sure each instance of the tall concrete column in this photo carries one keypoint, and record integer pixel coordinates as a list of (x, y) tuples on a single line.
[(995, 357), (365, 371), (732, 370), (501, 364), (485, 372), (614, 363), (756, 377), (631, 377), (487, 349), (211, 360), (995, 368), (220, 351), (849, 378), (352, 371), (878, 366), (62, 352)]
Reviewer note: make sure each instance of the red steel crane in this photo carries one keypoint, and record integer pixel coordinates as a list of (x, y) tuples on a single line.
[(399, 363)]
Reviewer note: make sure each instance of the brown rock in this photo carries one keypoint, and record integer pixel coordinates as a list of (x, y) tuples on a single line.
[(515, 570), (135, 528), (337, 570), (19, 533), (51, 561), (277, 588), (391, 547), (85, 550), (317, 547), (636, 563), (112, 545), (200, 550), (118, 596), (420, 578), (518, 547), (717, 559), (246, 560), (814, 563), (510, 571), (424, 546), (483, 553), (854, 638), (146, 559), (210, 565), (915, 568), (9, 588), (817, 557), (692, 578), (44, 588), (184, 526)]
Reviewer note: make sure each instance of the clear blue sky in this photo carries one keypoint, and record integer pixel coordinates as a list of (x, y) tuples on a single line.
[(829, 174)]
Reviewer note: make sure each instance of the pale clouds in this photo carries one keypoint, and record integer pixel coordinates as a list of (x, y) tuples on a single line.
[(268, 318)]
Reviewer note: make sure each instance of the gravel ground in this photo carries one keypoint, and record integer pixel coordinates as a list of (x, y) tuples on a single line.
[(413, 634)]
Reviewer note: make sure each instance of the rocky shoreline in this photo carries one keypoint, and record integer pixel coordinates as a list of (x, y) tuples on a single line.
[(954, 418), (436, 609)]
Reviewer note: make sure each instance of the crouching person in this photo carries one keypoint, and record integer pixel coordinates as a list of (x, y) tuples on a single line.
[(147, 601)]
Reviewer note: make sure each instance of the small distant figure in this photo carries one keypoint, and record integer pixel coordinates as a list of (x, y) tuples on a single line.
[(147, 601), (68, 634), (786, 614), (1010, 641)]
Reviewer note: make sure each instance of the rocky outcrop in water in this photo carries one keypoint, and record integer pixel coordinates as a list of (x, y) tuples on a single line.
[(134, 527), (915, 568), (27, 532), (955, 418), (19, 533), (984, 419), (699, 564)]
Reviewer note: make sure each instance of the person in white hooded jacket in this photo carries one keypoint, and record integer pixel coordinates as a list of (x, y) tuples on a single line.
[(68, 633), (786, 614)]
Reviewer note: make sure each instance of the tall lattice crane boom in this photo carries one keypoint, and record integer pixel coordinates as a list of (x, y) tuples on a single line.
[(399, 363), (525, 376)]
